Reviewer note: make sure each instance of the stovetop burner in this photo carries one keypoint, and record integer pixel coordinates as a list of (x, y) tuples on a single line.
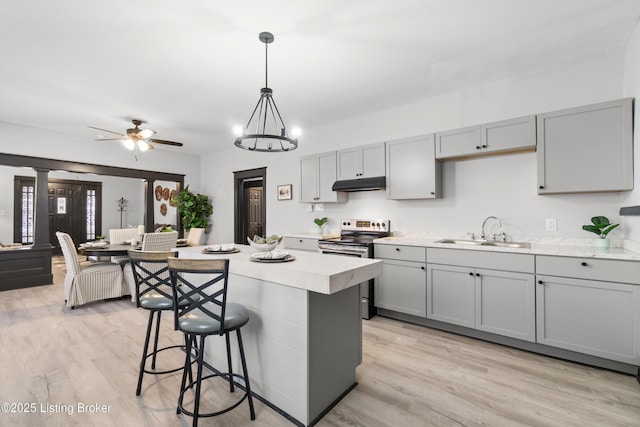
[(357, 232)]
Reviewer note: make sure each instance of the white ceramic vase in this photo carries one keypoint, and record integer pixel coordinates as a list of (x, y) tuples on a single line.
[(601, 243)]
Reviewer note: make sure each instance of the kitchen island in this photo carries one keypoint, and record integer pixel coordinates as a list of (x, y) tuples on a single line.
[(304, 339)]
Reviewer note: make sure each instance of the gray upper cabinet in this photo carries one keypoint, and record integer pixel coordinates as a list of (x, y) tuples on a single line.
[(509, 135), (586, 149), (361, 162), (317, 175), (412, 169), (458, 142), (497, 137)]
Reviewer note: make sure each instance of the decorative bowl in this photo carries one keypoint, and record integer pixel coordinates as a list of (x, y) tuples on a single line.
[(263, 247)]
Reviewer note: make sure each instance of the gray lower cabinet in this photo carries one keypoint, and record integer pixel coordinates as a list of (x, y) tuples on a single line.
[(580, 309), (461, 292), (412, 169), (586, 149), (402, 284)]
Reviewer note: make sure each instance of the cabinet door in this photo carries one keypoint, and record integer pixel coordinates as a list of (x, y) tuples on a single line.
[(373, 160), (309, 179), (458, 142), (326, 177), (586, 149), (451, 294), (402, 287), (509, 135), (589, 316), (412, 170), (505, 304), (349, 163)]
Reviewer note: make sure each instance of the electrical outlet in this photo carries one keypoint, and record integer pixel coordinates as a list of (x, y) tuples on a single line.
[(552, 224), (319, 207)]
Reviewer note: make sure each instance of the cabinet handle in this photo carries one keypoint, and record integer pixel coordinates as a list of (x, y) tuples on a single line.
[(477, 274), (584, 264), (433, 193), (540, 282), (397, 249), (477, 147), (422, 267), (471, 273), (484, 146), (300, 240), (541, 187)]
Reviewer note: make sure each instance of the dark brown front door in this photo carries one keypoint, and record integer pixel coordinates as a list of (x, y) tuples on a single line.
[(74, 207), (254, 211), (65, 212)]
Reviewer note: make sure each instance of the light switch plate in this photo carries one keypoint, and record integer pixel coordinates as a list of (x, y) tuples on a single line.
[(308, 208), (552, 224), (2, 213)]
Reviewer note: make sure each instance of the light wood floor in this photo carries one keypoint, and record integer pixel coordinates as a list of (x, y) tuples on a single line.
[(411, 376)]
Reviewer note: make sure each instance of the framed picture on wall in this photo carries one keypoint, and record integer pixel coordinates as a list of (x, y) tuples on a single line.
[(284, 192)]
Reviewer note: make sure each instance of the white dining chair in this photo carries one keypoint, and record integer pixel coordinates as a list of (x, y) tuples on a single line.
[(122, 235), (194, 238), (95, 282)]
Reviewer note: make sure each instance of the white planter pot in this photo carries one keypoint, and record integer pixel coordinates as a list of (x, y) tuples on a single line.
[(601, 243)]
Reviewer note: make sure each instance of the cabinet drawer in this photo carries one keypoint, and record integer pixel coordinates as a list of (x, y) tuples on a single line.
[(589, 268), (400, 252), (523, 263), (301, 243)]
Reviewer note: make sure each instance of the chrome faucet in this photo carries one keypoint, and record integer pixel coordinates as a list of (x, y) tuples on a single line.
[(482, 235)]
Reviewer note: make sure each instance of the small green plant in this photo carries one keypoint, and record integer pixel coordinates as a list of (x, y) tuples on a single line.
[(195, 209), (320, 221), (601, 226)]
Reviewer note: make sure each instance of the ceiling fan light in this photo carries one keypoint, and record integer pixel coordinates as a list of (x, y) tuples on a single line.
[(143, 145), (146, 133), (238, 130), (129, 144)]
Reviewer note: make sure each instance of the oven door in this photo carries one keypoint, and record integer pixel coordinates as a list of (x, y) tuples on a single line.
[(367, 310)]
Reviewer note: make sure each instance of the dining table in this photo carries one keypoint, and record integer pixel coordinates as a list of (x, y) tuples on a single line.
[(115, 249)]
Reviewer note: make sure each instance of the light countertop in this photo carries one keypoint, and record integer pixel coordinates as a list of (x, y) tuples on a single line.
[(311, 271), (570, 247)]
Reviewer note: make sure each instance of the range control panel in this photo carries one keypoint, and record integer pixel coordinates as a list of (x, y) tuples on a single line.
[(366, 224)]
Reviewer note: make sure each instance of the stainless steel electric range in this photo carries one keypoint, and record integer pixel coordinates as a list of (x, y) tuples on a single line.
[(356, 239)]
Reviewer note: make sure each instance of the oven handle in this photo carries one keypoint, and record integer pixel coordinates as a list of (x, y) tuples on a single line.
[(330, 252)]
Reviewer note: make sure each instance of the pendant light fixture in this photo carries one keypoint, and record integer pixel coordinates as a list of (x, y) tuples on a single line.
[(265, 131)]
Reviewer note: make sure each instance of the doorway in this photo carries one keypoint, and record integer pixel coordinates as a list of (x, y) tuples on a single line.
[(74, 207), (250, 209)]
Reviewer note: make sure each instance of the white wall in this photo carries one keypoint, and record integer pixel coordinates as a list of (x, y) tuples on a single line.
[(29, 141), (631, 224), (504, 186)]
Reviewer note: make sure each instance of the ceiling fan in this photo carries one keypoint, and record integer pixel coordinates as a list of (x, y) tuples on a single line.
[(137, 138)]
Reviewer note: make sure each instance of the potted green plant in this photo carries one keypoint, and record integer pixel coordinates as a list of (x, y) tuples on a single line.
[(320, 222), (194, 209), (600, 226)]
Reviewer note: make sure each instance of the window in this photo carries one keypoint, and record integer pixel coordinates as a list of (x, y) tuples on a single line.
[(27, 204), (91, 213)]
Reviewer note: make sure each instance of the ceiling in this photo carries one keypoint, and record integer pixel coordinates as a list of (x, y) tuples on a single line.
[(193, 69)]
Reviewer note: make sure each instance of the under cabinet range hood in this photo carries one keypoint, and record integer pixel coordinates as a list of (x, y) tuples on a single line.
[(361, 184)]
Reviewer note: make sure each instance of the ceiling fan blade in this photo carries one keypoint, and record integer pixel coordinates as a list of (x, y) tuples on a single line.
[(108, 139), (104, 130), (162, 141), (146, 133)]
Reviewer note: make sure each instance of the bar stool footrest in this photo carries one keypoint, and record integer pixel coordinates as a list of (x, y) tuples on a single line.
[(224, 375)]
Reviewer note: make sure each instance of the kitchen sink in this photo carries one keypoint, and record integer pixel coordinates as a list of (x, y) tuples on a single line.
[(485, 243)]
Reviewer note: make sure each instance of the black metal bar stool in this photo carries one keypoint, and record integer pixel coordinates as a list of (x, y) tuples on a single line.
[(153, 293), (210, 315)]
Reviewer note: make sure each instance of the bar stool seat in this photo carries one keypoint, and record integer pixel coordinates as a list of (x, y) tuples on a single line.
[(210, 315)]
